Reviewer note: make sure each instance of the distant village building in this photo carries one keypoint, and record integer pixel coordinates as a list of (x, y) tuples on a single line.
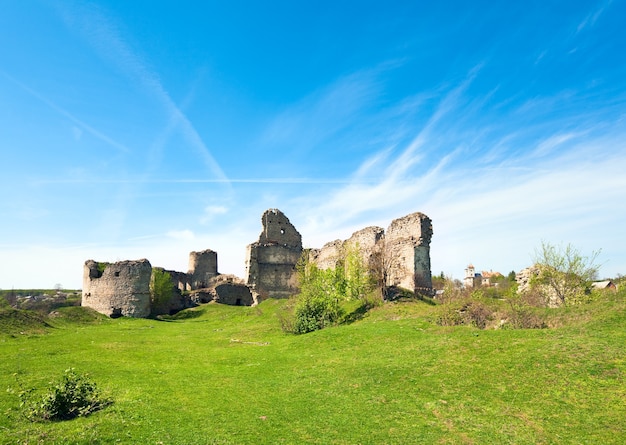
[(477, 279), (606, 284)]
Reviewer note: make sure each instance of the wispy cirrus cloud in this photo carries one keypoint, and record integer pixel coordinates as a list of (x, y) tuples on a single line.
[(80, 125), (502, 185), (323, 113), (591, 19), (106, 37)]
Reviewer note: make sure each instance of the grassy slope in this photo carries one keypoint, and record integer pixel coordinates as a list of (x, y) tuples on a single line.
[(229, 375)]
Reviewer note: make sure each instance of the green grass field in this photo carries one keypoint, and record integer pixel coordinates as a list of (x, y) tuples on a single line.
[(229, 375)]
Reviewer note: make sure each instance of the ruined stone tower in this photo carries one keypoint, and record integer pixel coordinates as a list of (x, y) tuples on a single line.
[(202, 267), (407, 242), (271, 261), (402, 253), (117, 289)]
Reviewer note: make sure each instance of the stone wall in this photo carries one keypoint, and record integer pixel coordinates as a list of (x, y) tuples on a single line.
[(118, 289), (123, 288), (546, 294), (328, 255), (225, 289), (369, 241), (407, 244), (271, 261), (202, 267), (402, 253)]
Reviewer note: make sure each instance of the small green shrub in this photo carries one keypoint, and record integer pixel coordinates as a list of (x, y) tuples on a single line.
[(316, 312), (477, 314), (102, 265), (449, 315), (524, 318), (75, 395)]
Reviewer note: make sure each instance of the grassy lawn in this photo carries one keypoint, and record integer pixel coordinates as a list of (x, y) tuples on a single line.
[(229, 375)]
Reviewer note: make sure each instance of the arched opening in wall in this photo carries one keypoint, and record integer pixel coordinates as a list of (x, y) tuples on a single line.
[(116, 312), (238, 302), (282, 231)]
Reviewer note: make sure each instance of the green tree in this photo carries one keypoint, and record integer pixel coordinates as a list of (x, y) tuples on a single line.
[(317, 304), (565, 272), (323, 290), (161, 290), (359, 281)]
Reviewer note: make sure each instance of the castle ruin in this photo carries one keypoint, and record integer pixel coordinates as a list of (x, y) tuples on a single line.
[(401, 254), (271, 261), (118, 289)]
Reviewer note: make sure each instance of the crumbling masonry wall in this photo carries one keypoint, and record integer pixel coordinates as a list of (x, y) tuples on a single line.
[(271, 261), (123, 288), (402, 253), (202, 267), (117, 289), (407, 244)]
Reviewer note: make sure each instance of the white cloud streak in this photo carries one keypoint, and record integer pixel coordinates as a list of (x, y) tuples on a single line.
[(101, 32), (79, 123), (488, 207)]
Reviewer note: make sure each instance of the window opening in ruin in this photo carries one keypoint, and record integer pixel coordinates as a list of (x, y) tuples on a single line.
[(117, 274), (238, 302), (116, 312), (282, 231)]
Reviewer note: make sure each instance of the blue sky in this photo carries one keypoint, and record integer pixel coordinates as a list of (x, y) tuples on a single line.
[(148, 129)]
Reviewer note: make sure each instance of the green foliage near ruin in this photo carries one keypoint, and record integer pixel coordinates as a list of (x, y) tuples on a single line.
[(565, 273), (229, 375), (161, 290), (102, 265), (323, 292)]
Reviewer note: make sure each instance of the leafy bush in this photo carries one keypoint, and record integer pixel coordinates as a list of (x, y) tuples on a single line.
[(161, 290), (522, 311), (477, 314), (75, 395), (316, 312), (564, 273), (466, 312), (323, 290), (449, 315)]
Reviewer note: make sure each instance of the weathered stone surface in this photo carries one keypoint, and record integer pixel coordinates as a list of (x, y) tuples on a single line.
[(225, 289), (270, 262), (368, 241), (524, 279), (402, 253), (202, 267), (120, 289), (407, 241), (123, 288), (328, 255), (277, 229), (232, 290)]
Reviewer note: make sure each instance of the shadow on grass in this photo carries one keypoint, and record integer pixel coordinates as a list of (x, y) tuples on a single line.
[(182, 315), (357, 314), (14, 321)]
